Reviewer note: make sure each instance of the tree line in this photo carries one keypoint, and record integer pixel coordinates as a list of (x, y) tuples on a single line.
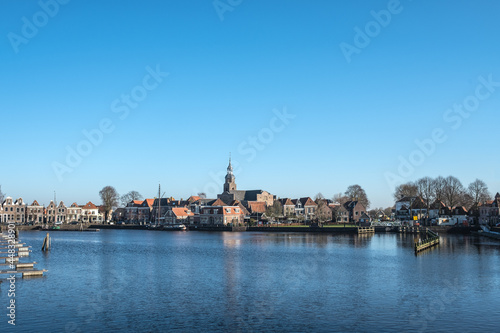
[(449, 190)]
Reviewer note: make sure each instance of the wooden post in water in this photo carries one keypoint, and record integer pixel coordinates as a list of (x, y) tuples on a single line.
[(16, 233), (46, 243)]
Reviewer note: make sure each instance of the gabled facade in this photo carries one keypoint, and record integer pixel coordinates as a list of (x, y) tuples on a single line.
[(51, 212), (13, 211), (355, 210), (288, 206), (35, 213), (74, 213), (489, 212), (61, 213), (90, 213)]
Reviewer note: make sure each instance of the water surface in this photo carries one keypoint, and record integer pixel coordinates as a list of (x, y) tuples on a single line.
[(135, 280)]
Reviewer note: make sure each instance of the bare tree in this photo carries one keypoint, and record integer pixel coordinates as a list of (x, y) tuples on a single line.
[(453, 191), (425, 187), (438, 187), (405, 190), (2, 196), (202, 195), (478, 190), (340, 198), (130, 196), (318, 196), (356, 192), (109, 198)]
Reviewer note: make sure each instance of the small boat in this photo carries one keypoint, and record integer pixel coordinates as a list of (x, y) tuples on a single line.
[(174, 227)]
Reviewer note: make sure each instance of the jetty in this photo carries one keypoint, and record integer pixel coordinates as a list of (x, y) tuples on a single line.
[(366, 230), (431, 240), (11, 259)]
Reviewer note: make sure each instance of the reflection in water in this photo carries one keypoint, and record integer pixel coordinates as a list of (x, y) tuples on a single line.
[(162, 281)]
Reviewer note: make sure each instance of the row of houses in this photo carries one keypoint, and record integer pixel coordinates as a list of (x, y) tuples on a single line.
[(415, 209), (17, 211), (201, 211)]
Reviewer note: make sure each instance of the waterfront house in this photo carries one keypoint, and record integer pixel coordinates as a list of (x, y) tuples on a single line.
[(221, 214), (132, 210), (61, 212), (35, 213), (51, 212), (355, 210), (179, 215), (418, 209), (489, 212), (144, 210), (438, 208), (13, 211), (288, 207), (74, 213), (90, 213), (403, 211)]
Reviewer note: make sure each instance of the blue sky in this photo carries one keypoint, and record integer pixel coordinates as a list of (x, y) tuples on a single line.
[(350, 122)]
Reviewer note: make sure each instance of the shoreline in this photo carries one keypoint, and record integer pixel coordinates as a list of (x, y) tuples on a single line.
[(328, 230)]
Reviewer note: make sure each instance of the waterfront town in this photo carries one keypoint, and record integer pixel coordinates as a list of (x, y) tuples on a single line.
[(235, 207)]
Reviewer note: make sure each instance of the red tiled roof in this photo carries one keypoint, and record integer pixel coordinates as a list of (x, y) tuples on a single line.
[(74, 204), (148, 202), (193, 198), (89, 205), (182, 212), (35, 203), (257, 206), (137, 202)]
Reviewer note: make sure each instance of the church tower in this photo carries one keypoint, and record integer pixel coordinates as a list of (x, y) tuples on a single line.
[(230, 184)]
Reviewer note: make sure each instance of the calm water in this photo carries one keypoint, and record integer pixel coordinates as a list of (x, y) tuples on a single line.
[(242, 282)]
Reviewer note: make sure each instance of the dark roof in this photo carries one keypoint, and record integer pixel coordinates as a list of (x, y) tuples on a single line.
[(418, 203), (307, 201)]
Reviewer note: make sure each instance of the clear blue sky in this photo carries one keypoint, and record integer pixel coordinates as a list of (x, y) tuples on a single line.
[(353, 119)]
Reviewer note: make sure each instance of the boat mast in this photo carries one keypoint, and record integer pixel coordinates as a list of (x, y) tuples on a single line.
[(159, 199)]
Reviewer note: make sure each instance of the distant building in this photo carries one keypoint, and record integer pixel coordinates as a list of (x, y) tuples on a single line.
[(221, 214), (35, 213), (13, 211), (355, 210), (74, 213), (90, 214), (288, 206), (179, 215), (51, 212), (231, 193), (489, 212), (61, 213)]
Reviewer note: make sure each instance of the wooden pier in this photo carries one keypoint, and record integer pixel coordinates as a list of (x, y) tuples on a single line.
[(31, 272), (19, 250), (430, 241), (366, 230)]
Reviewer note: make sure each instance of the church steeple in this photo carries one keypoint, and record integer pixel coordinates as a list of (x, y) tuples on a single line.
[(230, 184)]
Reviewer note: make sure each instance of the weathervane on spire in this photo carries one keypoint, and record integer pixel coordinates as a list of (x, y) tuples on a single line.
[(230, 167)]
